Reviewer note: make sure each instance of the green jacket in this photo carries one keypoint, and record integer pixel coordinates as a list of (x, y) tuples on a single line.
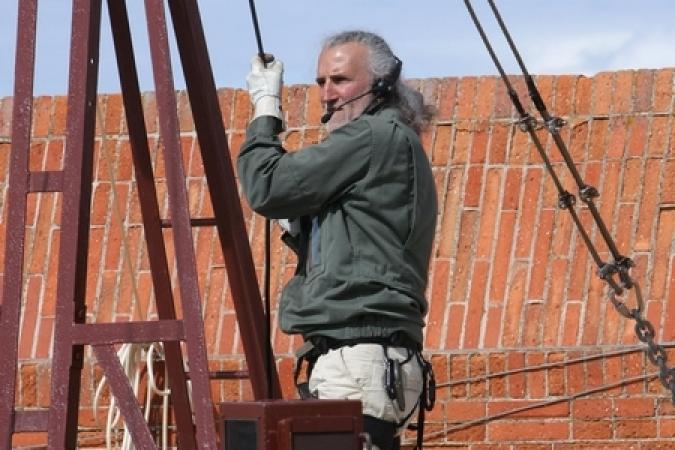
[(368, 192)]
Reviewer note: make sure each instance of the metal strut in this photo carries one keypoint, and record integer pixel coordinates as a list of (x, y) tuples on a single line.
[(606, 270), (183, 336)]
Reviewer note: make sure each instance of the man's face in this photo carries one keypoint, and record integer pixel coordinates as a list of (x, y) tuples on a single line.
[(343, 73)]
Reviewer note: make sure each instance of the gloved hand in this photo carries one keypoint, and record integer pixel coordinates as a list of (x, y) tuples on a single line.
[(264, 87)]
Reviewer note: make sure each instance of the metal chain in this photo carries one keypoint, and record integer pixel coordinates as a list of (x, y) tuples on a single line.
[(620, 265), (644, 330)]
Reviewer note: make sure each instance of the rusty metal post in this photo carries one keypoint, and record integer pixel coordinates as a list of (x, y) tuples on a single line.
[(71, 333), (241, 274), (16, 214), (181, 226), (75, 212), (147, 195)]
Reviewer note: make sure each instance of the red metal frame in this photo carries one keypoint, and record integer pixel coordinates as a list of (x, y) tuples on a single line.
[(71, 333)]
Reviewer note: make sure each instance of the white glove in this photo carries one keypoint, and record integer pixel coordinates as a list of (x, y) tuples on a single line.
[(264, 87)]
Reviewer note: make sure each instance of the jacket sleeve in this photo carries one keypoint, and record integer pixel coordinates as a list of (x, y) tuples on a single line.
[(278, 184)]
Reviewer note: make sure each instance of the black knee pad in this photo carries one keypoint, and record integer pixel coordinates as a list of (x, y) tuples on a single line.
[(381, 433)]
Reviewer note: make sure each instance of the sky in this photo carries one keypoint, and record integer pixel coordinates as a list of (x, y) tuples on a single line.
[(434, 38)]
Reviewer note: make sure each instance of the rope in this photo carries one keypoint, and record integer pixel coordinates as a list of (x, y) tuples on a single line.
[(566, 398), (549, 365), (268, 232)]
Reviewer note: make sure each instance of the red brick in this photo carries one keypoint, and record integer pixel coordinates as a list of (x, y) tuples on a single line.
[(598, 145), (591, 409), (439, 290), (632, 180), (464, 410), (38, 244), (466, 97), (42, 109), (578, 143), (476, 305), (225, 102), (649, 208), (479, 144), (576, 376), (583, 97), (637, 143), (502, 253), (503, 107), (596, 299), (458, 371), (635, 429), (528, 212), (658, 136), (59, 116), (6, 116), (623, 91), (294, 105), (30, 317), (530, 409), (634, 407), (114, 114), (242, 110), (462, 143), (485, 97), (571, 319), (520, 148), (447, 93), (644, 88), (666, 429), (555, 298), (527, 430), (536, 379), (185, 119), (564, 94), (500, 135), (542, 246), (477, 370), (489, 207), (442, 143), (616, 140), (467, 237), (455, 326), (517, 380), (602, 93), (514, 305), (595, 430), (663, 90), (669, 323)]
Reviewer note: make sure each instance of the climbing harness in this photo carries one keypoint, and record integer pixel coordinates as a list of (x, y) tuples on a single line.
[(606, 271), (316, 346)]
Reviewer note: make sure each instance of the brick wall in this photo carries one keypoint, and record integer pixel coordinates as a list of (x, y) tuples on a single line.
[(529, 352)]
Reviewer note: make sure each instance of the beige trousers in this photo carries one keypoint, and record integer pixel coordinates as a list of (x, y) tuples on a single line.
[(358, 373)]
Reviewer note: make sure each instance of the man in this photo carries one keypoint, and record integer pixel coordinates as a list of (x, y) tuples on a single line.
[(362, 210)]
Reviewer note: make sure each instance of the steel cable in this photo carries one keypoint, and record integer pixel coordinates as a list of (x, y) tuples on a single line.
[(606, 270)]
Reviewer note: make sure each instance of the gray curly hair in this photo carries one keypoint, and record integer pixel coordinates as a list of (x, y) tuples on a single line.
[(410, 103)]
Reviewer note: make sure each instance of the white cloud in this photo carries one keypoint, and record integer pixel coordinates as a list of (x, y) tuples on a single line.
[(578, 53), (654, 49)]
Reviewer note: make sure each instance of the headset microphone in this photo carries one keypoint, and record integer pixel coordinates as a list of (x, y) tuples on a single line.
[(381, 87), (326, 117)]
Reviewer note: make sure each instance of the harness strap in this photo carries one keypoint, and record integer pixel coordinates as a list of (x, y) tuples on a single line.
[(314, 347)]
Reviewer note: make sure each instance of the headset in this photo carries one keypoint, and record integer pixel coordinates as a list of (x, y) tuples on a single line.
[(381, 88)]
